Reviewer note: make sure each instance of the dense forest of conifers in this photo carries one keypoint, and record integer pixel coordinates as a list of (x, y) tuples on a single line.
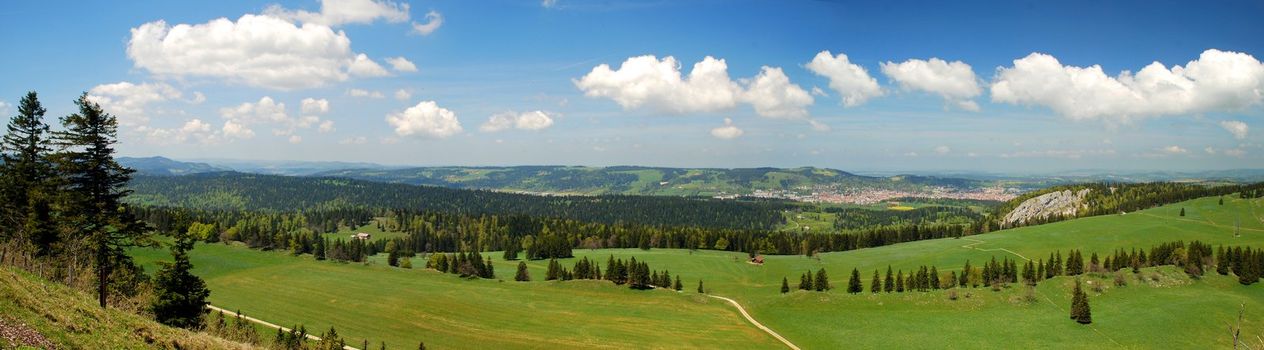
[(270, 193)]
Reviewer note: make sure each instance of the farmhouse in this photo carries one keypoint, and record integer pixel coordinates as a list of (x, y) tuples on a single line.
[(362, 235), (759, 259)]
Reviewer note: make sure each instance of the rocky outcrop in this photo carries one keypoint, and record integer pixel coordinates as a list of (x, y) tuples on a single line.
[(1052, 204)]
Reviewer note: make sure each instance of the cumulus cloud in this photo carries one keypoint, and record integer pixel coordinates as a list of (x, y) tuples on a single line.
[(257, 50), (1235, 152), (818, 126), (851, 81), (128, 101), (237, 130), (1174, 150), (648, 82), (534, 120), (433, 21), (942, 150), (315, 106), (295, 139), (192, 130), (359, 140), (1237, 128), (326, 127), (1218, 81), (426, 119), (366, 93), (400, 64), (337, 12), (403, 95), (728, 131), (362, 66), (954, 81), (548, 3), (772, 95)]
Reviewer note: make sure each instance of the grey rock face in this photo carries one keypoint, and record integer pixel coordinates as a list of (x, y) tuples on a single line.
[(1061, 203)]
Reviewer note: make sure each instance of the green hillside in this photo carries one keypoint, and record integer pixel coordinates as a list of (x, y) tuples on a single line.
[(378, 302), (65, 318), (644, 180)]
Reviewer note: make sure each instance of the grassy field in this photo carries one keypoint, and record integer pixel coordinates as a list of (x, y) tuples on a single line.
[(1158, 308), (345, 233)]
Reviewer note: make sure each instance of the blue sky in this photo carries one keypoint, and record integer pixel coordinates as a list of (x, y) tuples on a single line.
[(990, 86)]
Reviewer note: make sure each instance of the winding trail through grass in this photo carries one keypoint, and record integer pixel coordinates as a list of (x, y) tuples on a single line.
[(756, 323), (267, 324), (978, 242)]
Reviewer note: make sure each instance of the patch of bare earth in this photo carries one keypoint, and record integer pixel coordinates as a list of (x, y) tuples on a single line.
[(21, 334)]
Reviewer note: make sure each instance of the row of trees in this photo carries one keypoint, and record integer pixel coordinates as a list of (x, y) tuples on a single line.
[(465, 264)]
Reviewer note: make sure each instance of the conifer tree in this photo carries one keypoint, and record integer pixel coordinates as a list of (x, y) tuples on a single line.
[(853, 284), (875, 286), (821, 282), (523, 275), (554, 271), (1222, 261), (965, 275), (785, 285), (95, 188), (1182, 211), (889, 284), (678, 286), (934, 278), (899, 282), (179, 295), (28, 174), (1079, 306), (805, 281), (700, 290)]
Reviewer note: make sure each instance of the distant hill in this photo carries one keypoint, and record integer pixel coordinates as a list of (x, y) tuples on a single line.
[(635, 180), (161, 166)]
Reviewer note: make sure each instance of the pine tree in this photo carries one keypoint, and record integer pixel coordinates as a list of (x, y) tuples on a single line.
[(875, 286), (785, 285), (511, 251), (853, 284), (965, 275), (821, 283), (1182, 211), (554, 271), (28, 175), (899, 282), (1079, 306), (1222, 261), (678, 286), (523, 275), (889, 284), (179, 295), (318, 251), (934, 278), (95, 189), (805, 281), (700, 290)]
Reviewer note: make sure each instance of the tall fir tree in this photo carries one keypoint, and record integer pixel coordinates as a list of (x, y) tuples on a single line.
[(523, 275), (821, 282), (875, 286), (28, 176), (888, 285), (179, 295), (95, 188), (785, 285), (853, 284), (1079, 305)]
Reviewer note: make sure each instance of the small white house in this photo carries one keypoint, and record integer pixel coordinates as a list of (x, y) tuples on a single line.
[(362, 235)]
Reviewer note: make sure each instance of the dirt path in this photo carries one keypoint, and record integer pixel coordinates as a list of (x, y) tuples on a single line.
[(978, 242), (268, 324), (756, 323)]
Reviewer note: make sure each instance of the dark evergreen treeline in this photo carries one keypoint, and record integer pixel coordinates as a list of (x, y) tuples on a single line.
[(859, 218), (1116, 197), (466, 264), (236, 191)]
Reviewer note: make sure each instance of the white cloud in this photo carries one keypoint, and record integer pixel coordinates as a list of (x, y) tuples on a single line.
[(266, 110), (772, 95), (816, 91), (818, 126), (646, 81), (728, 131), (4, 108), (359, 140), (1237, 128), (192, 130), (326, 126), (1236, 152), (403, 95), (366, 93), (257, 50), (337, 12), (534, 120), (314, 106), (425, 119), (548, 3), (198, 98), (295, 139), (433, 21), (400, 64), (128, 101), (362, 66), (1174, 150), (954, 81), (1218, 81), (1210, 150), (942, 150), (851, 81), (237, 130)]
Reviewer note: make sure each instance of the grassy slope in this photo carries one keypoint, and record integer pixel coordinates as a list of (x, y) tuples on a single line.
[(72, 320), (407, 306), (378, 302)]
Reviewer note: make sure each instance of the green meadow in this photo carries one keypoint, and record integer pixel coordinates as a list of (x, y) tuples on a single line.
[(1158, 308)]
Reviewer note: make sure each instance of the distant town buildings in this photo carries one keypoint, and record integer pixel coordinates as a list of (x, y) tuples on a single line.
[(838, 195)]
